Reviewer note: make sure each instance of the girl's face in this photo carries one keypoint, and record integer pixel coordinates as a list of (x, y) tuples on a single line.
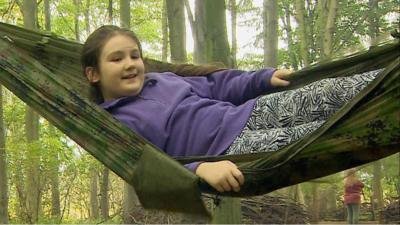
[(121, 68)]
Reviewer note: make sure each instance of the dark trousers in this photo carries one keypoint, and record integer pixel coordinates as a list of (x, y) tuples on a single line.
[(352, 213)]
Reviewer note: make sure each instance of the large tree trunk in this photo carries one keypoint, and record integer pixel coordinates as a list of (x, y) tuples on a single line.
[(212, 40), (3, 168), (104, 204), (125, 13), (177, 30), (329, 29), (54, 166), (29, 10), (94, 202), (270, 22), (303, 40), (33, 159), (164, 26), (233, 7), (198, 28)]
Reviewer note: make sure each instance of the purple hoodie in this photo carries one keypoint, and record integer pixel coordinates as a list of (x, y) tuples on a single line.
[(192, 116)]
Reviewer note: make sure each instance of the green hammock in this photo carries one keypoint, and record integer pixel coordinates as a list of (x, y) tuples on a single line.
[(43, 70)]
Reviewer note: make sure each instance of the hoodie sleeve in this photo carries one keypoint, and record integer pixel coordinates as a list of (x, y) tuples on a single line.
[(235, 86), (192, 166)]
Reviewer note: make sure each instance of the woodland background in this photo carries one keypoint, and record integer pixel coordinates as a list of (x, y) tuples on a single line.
[(47, 178)]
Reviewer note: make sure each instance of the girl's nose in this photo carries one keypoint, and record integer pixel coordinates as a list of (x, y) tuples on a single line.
[(129, 63)]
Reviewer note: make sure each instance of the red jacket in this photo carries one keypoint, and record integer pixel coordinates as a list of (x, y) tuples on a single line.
[(352, 193)]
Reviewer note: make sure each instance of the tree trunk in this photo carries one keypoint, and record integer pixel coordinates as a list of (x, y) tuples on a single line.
[(130, 205), (110, 11), (164, 26), (398, 177), (270, 21), (233, 7), (130, 200), (377, 186), (297, 194), (315, 206), (33, 159), (54, 166), (29, 10), (329, 28), (323, 11), (303, 40), (86, 12), (211, 31), (94, 202), (77, 4), (104, 204), (54, 180), (373, 21), (177, 30), (331, 197), (21, 211), (198, 28), (125, 13), (47, 15), (288, 28), (373, 31), (3, 168)]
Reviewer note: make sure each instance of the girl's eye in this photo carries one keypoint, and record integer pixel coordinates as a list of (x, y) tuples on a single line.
[(135, 56), (116, 59)]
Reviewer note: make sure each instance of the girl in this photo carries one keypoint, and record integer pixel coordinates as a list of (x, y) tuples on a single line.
[(352, 195), (225, 112)]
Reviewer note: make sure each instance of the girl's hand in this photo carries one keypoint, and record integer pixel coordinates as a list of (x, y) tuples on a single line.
[(221, 175), (278, 78)]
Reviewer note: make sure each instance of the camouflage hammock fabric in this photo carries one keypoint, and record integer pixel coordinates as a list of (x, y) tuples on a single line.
[(43, 70)]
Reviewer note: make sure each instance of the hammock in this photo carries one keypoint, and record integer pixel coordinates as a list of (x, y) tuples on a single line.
[(44, 71)]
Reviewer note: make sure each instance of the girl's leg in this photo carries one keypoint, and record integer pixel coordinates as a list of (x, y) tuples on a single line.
[(350, 214), (356, 210), (314, 102), (281, 118), (251, 141)]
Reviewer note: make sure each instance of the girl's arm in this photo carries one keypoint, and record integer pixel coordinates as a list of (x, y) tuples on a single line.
[(237, 86)]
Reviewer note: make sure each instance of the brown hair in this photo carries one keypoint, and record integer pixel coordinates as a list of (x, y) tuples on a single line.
[(351, 176), (93, 46)]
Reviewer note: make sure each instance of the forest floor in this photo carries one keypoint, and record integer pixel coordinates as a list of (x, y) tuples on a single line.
[(345, 222)]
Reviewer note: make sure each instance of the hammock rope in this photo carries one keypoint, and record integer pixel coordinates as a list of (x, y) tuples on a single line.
[(43, 70)]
